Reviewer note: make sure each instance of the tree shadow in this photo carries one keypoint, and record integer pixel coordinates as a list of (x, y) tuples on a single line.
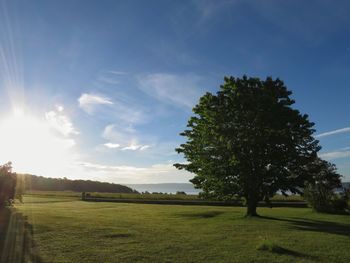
[(16, 238), (118, 235), (315, 225), (284, 251), (206, 214)]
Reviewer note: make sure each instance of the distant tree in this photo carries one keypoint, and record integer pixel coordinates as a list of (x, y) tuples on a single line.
[(181, 193), (247, 141), (319, 192), (32, 182), (7, 184)]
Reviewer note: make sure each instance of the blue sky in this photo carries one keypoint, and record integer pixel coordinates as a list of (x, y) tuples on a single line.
[(101, 89)]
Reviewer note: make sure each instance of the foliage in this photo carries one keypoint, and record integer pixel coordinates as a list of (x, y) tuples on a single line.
[(319, 192), (7, 185), (69, 230), (32, 182), (247, 141)]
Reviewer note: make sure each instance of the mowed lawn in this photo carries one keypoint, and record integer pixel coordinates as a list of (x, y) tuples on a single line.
[(69, 230)]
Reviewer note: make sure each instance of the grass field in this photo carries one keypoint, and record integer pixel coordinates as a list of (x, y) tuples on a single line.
[(69, 230), (291, 198)]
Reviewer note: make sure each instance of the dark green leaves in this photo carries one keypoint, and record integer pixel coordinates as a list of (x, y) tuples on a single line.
[(248, 141)]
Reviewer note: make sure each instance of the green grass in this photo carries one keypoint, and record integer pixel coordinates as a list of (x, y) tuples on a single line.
[(69, 230), (292, 198)]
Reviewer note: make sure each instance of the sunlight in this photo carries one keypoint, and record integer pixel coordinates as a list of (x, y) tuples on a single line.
[(34, 145)]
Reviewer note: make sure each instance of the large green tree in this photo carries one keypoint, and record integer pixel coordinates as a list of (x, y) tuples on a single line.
[(248, 141)]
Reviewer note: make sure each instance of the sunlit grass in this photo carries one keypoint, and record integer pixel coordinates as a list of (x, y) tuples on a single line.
[(158, 196), (69, 230)]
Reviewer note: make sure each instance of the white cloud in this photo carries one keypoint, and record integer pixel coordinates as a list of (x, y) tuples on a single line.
[(144, 147), (59, 108), (88, 102), (343, 130), (177, 90), (125, 137), (136, 147), (112, 145), (121, 107), (335, 155), (60, 122)]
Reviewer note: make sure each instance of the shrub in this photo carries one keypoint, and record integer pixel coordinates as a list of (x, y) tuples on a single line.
[(325, 200)]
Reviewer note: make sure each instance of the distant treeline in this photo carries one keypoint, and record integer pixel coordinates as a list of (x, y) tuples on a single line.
[(40, 183)]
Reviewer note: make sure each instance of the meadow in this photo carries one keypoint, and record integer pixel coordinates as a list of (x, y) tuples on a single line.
[(152, 196), (66, 229)]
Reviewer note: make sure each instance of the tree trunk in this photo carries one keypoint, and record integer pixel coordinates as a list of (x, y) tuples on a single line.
[(251, 208)]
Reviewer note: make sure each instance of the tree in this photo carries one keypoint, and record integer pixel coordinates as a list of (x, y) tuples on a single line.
[(319, 192), (7, 184), (247, 141)]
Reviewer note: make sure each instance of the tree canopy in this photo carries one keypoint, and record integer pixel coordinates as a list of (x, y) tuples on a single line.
[(319, 192), (7, 185), (248, 141)]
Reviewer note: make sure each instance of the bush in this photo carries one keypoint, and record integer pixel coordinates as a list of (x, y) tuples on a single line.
[(325, 200)]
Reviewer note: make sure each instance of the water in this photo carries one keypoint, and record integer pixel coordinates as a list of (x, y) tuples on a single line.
[(165, 188)]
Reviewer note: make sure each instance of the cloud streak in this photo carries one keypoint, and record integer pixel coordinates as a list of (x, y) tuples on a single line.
[(88, 102), (335, 155), (334, 132), (125, 138), (156, 173), (181, 91)]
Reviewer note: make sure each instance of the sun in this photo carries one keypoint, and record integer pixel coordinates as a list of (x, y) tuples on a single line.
[(33, 145)]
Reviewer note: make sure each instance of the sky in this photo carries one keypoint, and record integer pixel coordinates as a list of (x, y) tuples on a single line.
[(101, 90)]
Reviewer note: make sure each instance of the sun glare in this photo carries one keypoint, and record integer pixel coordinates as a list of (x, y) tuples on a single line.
[(33, 145)]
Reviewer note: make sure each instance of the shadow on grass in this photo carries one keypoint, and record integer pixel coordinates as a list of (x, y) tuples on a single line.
[(119, 235), (315, 225), (288, 252), (205, 214), (16, 238)]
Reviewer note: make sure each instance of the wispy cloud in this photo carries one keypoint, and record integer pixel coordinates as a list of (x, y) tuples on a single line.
[(121, 168), (209, 8), (136, 147), (126, 138), (343, 130), (178, 90), (88, 102), (335, 155), (157, 173), (117, 72)]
